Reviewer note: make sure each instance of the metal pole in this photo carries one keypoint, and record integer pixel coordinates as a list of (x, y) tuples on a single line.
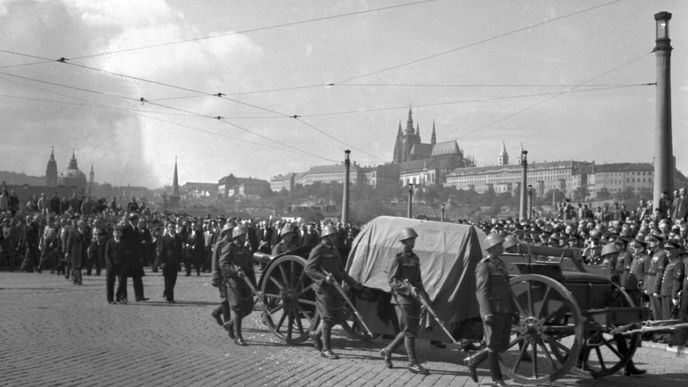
[(663, 170), (409, 211), (442, 213), (530, 201), (523, 208), (345, 196)]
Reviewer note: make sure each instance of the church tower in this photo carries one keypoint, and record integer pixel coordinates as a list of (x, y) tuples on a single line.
[(397, 146), (174, 198), (503, 158), (91, 180), (433, 139), (51, 171)]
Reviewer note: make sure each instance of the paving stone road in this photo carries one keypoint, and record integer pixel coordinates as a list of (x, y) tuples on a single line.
[(53, 333)]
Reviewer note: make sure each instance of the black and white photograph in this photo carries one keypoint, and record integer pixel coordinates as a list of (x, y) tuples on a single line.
[(344, 193)]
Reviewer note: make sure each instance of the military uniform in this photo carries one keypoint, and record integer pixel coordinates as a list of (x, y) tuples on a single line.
[(670, 286), (653, 284), (403, 275), (633, 278), (235, 258), (325, 258), (495, 299)]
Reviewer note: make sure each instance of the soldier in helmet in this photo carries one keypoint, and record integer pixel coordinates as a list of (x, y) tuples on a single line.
[(510, 244), (497, 309), (237, 267), (221, 313), (287, 243), (325, 267), (406, 282)]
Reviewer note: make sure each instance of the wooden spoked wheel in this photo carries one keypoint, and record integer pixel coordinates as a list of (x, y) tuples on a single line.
[(288, 299), (604, 353), (548, 338)]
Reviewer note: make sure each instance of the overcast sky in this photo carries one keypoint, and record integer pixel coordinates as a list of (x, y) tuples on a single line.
[(565, 78)]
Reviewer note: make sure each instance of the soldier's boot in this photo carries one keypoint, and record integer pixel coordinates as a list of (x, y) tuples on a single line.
[(414, 366), (386, 352), (217, 315), (237, 331), (226, 314), (472, 363), (327, 342), (315, 337), (495, 370)]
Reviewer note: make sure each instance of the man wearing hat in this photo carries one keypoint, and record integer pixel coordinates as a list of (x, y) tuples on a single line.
[(287, 243), (170, 258), (221, 313), (326, 267), (633, 278), (497, 309), (114, 263), (236, 262), (671, 279), (131, 240), (654, 273), (405, 281)]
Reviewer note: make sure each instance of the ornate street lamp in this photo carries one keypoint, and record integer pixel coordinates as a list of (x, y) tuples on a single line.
[(664, 152)]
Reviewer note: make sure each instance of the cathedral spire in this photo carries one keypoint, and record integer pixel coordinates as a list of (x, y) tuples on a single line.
[(51, 170), (433, 138), (409, 122), (418, 130), (503, 157), (175, 179)]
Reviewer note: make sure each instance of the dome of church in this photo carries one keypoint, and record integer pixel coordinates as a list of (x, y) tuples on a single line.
[(72, 176)]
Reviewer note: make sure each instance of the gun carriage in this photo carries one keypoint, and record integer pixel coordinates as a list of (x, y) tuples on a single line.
[(572, 317)]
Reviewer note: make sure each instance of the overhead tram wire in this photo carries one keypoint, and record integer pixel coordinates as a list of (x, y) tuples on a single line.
[(257, 29), (475, 100), (559, 94), (495, 37), (143, 100)]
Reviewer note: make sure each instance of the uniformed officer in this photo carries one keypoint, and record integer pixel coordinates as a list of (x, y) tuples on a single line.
[(510, 244), (325, 267), (237, 266), (221, 313), (496, 304), (633, 279), (671, 280), (405, 280), (655, 271)]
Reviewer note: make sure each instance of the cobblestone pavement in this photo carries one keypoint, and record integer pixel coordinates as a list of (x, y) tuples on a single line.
[(56, 334)]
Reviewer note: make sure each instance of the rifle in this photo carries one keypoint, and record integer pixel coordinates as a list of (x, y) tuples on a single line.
[(342, 292), (255, 291), (426, 304)]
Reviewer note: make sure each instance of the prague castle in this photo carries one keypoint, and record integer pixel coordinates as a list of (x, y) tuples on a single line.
[(70, 177)]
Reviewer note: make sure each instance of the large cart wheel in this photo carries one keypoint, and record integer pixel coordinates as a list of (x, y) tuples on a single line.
[(604, 353), (289, 299), (546, 342)]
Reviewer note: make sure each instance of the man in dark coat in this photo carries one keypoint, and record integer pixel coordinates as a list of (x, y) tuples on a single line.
[(132, 254), (495, 301), (115, 265), (169, 259), (31, 240), (76, 250), (195, 248), (325, 267), (55, 204)]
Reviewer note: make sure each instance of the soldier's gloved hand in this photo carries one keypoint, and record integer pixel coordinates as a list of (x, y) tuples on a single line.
[(414, 292), (488, 320), (329, 280), (215, 282), (674, 301), (240, 274)]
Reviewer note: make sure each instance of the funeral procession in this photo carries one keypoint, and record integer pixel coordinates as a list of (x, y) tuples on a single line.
[(344, 193)]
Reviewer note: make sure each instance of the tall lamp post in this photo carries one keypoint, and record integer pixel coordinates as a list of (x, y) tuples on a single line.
[(530, 201), (523, 208), (442, 213), (345, 196), (409, 211), (663, 168)]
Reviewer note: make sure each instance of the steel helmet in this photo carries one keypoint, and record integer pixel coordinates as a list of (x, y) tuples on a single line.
[(407, 233), (328, 230), (609, 248), (510, 241), (226, 228), (492, 240), (238, 231), (286, 230)]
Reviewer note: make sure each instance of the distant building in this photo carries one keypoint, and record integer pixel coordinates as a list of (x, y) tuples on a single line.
[(72, 176), (425, 163), (618, 177), (174, 199), (331, 174), (198, 190), (51, 171), (280, 182), (242, 187), (382, 176)]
